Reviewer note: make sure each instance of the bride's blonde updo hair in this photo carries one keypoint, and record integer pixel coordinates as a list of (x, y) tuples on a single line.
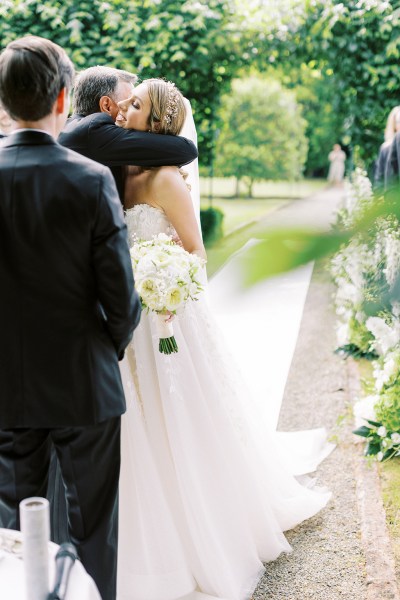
[(168, 110)]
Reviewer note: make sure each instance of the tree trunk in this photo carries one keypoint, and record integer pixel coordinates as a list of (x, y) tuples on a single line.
[(237, 191), (250, 188)]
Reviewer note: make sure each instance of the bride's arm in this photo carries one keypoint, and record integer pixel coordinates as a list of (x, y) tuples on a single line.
[(171, 193)]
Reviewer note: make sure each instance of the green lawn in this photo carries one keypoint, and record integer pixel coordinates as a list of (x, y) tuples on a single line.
[(226, 188), (247, 217), (240, 212)]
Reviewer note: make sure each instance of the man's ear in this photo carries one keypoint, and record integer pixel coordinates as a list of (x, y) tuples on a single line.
[(61, 101), (106, 104)]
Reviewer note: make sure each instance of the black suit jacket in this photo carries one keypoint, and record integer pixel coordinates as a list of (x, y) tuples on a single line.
[(96, 136), (380, 165), (392, 168), (67, 304)]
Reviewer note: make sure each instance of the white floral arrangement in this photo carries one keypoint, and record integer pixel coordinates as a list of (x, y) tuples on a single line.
[(365, 271), (166, 278), (358, 196)]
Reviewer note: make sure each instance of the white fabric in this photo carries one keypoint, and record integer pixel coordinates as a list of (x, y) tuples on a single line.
[(192, 169), (12, 582), (267, 318), (204, 493)]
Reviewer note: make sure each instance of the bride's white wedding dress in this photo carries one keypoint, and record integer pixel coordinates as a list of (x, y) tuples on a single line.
[(204, 496)]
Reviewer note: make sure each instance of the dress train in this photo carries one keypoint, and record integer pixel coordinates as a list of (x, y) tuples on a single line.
[(205, 496)]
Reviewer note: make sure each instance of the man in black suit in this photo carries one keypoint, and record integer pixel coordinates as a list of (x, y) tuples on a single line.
[(92, 132), (67, 310), (392, 167)]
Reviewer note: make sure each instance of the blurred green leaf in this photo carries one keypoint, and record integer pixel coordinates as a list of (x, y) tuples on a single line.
[(284, 250)]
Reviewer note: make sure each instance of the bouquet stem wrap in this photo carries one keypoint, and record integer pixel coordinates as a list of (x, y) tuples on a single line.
[(167, 343)]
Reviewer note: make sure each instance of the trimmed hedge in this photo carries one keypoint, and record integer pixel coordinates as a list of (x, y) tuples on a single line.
[(211, 224)]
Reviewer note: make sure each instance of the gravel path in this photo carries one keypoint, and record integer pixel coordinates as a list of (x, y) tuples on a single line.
[(327, 562)]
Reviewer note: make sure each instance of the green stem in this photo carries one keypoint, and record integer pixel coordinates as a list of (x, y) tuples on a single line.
[(168, 345)]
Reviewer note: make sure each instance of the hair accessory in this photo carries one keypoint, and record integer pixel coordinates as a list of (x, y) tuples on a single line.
[(172, 103)]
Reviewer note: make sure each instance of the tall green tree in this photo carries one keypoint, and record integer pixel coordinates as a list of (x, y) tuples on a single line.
[(357, 45), (195, 43), (263, 133), (316, 93)]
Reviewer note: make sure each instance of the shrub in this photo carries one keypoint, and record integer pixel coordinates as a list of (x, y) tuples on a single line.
[(211, 224)]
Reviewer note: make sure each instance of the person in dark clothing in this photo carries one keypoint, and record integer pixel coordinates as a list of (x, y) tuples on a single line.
[(392, 127), (68, 309), (91, 130)]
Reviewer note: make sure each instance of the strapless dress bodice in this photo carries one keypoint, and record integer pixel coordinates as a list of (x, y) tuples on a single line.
[(145, 221)]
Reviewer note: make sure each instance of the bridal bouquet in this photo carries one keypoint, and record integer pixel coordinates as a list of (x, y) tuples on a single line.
[(166, 278)]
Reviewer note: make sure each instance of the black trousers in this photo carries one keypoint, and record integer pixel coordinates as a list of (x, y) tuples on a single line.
[(57, 496), (89, 459)]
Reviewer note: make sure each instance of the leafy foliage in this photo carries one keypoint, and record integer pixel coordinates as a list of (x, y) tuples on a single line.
[(211, 223), (388, 408), (341, 56), (316, 94), (263, 133), (357, 45), (381, 443), (195, 44), (351, 50)]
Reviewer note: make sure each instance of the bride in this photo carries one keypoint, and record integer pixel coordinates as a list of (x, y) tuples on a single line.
[(204, 494)]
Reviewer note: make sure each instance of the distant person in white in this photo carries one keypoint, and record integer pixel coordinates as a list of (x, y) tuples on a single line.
[(336, 169)]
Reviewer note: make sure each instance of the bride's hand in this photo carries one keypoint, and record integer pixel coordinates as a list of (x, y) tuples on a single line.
[(177, 240)]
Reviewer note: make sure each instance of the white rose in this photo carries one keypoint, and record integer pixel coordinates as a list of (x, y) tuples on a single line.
[(342, 334), (381, 431), (162, 237), (395, 437), (173, 298), (364, 409), (145, 266), (148, 291), (161, 259)]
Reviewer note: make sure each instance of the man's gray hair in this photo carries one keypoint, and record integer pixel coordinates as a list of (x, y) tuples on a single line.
[(95, 82)]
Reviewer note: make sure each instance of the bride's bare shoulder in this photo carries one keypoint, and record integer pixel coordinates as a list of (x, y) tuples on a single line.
[(166, 173), (168, 177)]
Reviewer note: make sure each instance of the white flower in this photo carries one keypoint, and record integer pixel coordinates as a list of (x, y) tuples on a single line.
[(364, 410), (164, 273), (392, 252), (174, 298), (193, 289), (162, 237), (379, 456), (343, 334), (390, 368), (382, 431), (386, 336), (395, 437), (161, 259), (150, 292)]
